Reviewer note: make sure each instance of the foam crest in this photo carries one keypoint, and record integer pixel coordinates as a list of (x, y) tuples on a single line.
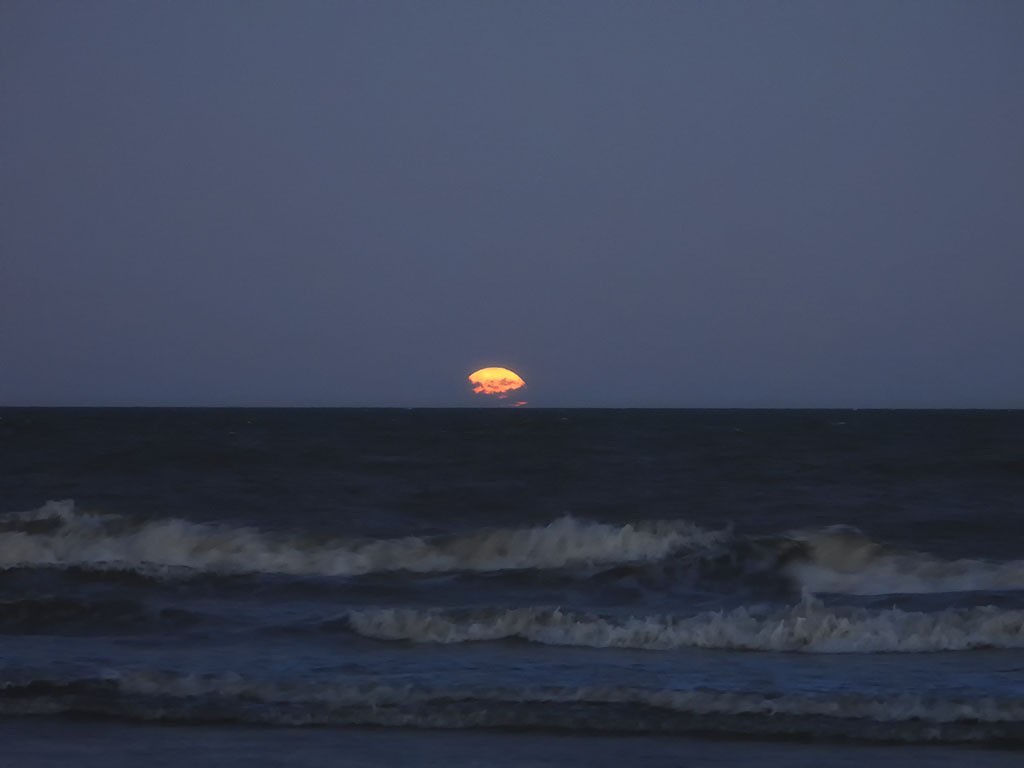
[(843, 560), (57, 535), (808, 627)]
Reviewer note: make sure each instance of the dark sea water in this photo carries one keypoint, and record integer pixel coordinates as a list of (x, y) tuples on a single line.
[(511, 587)]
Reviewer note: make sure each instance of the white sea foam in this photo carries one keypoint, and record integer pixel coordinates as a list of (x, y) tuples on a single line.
[(65, 537), (808, 627), (837, 560), (843, 560)]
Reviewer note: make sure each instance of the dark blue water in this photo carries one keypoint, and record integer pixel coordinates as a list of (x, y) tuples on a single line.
[(835, 578)]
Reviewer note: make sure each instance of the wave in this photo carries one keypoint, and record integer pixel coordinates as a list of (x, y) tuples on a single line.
[(841, 559), (808, 627), (662, 553), (150, 696), (57, 535)]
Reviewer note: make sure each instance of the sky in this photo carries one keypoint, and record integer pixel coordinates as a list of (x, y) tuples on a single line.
[(630, 204)]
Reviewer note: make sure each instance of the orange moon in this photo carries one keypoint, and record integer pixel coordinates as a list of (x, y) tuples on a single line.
[(496, 382)]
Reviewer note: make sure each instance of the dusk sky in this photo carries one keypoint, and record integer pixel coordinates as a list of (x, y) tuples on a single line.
[(680, 204)]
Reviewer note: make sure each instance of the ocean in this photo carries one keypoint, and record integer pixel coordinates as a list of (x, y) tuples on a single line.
[(511, 587)]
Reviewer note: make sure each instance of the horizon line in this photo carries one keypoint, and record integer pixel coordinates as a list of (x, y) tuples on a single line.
[(208, 407)]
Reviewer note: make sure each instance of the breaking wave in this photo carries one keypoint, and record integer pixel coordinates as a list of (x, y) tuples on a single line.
[(57, 535), (156, 696), (808, 627), (839, 559), (842, 560)]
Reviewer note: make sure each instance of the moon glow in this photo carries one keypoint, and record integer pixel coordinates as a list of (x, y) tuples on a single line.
[(498, 383)]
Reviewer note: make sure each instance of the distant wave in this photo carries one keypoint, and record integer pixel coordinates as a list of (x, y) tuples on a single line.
[(838, 559), (149, 696), (808, 627), (57, 535)]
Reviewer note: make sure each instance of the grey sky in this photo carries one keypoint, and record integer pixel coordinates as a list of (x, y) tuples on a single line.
[(629, 203)]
